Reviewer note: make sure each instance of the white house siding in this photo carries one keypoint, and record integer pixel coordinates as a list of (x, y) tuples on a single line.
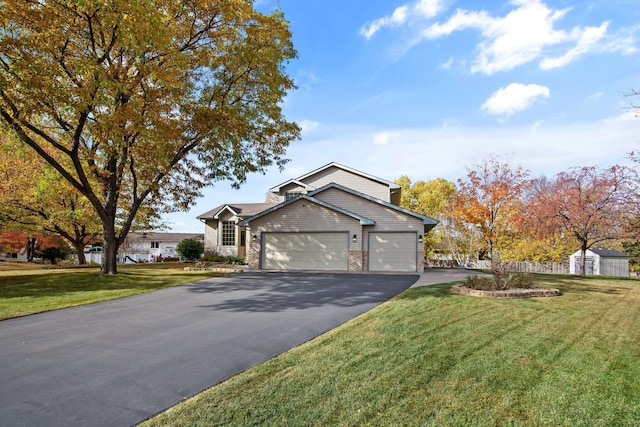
[(350, 180), (602, 265), (386, 219), (302, 216)]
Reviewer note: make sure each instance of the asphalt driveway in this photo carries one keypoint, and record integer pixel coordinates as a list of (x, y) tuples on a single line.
[(122, 361)]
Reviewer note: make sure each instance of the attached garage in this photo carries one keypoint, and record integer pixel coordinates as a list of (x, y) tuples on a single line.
[(306, 251), (393, 251)]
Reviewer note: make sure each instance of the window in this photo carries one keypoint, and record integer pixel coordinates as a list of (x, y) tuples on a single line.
[(291, 195), (228, 233), (155, 245)]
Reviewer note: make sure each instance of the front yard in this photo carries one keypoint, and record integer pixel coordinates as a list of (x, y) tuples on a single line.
[(428, 357), (31, 288)]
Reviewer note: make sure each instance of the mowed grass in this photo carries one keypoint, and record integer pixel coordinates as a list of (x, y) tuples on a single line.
[(428, 357), (27, 289)]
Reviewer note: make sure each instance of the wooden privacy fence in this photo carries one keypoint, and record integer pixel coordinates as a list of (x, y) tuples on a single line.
[(527, 267)]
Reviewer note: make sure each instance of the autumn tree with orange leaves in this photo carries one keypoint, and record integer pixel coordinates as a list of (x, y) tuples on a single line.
[(488, 198), (36, 199), (531, 237), (589, 204)]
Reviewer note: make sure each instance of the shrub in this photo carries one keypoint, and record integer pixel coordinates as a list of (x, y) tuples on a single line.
[(479, 283), (519, 281), (234, 260), (503, 278), (190, 249)]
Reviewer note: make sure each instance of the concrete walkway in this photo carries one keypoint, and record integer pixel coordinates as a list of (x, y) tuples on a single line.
[(440, 275), (119, 362)]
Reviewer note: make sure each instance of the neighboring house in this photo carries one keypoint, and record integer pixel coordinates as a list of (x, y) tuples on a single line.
[(20, 255), (600, 261), (150, 247), (333, 218)]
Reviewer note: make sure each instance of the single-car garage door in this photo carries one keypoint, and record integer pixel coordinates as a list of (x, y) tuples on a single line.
[(393, 251), (305, 251)]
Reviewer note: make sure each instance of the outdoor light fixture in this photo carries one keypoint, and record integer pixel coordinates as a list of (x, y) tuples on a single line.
[(254, 237), (420, 238), (354, 238)]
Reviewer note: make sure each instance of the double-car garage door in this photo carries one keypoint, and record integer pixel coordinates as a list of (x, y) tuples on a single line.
[(388, 251), (306, 251)]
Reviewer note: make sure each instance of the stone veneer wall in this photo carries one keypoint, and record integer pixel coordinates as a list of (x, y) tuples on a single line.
[(253, 256), (356, 260)]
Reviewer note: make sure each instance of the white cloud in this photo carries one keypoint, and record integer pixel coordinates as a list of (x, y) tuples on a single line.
[(530, 31), (429, 8), (507, 42), (308, 125), (385, 138), (587, 41), (595, 96), (437, 152), (398, 17), (307, 80), (402, 15), (513, 98)]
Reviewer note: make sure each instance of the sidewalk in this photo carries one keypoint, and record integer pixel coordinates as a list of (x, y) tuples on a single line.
[(434, 276)]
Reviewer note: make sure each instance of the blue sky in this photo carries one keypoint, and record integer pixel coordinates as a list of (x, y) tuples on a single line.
[(426, 88)]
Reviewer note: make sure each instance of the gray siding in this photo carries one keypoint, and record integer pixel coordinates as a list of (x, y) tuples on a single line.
[(614, 266), (386, 219), (303, 215), (349, 180)]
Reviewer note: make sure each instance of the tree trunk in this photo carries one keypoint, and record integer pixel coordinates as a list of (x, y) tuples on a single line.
[(31, 248), (79, 247), (583, 260), (109, 252)]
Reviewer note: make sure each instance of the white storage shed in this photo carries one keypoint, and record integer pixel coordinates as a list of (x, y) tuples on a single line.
[(601, 262)]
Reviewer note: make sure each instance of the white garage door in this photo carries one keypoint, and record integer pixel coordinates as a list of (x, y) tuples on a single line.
[(305, 251), (393, 251)]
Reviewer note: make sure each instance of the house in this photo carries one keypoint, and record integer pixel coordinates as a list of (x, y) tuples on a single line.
[(600, 261), (151, 247), (333, 218)]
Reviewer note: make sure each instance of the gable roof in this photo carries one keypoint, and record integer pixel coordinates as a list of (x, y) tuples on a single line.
[(244, 210), (428, 222), (166, 237), (276, 189), (610, 253), (363, 220)]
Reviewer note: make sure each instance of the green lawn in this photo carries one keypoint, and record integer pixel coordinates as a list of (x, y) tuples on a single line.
[(27, 288), (428, 357)]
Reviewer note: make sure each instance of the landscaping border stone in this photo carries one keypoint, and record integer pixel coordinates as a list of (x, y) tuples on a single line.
[(216, 269), (508, 293)]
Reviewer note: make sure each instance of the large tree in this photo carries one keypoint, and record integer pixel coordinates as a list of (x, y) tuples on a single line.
[(145, 99), (531, 236), (590, 204), (35, 198), (429, 198), (489, 197)]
